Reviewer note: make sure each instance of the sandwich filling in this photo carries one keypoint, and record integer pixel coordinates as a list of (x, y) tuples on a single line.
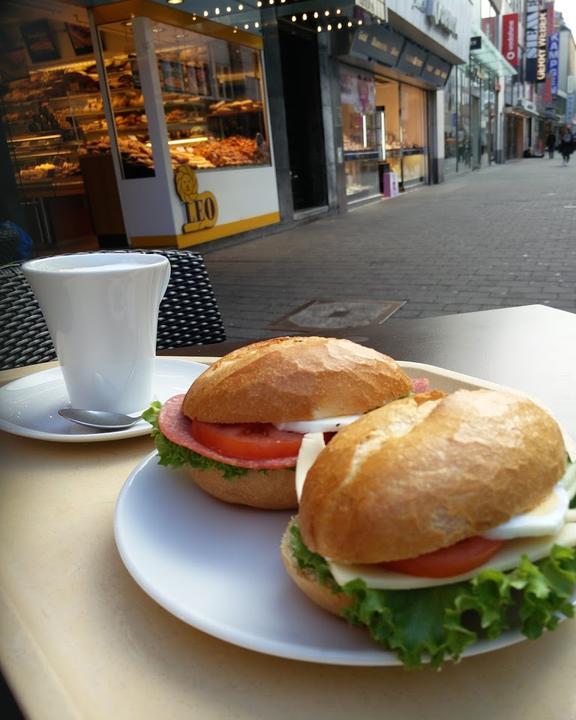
[(234, 448), (520, 574)]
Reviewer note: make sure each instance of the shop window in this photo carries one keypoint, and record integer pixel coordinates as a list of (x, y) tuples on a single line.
[(414, 134), (388, 101), (451, 123), (213, 100), (361, 133)]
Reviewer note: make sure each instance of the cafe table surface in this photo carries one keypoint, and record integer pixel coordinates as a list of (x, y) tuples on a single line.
[(80, 639)]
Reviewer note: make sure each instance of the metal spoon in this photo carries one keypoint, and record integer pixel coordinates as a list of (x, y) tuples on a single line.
[(100, 419)]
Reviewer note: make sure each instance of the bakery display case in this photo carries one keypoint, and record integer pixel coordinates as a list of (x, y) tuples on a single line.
[(45, 131), (212, 98), (190, 99)]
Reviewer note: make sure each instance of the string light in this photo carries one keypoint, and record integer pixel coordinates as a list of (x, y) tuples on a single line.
[(319, 28), (256, 25), (205, 13), (240, 7), (315, 14), (349, 23), (326, 12), (228, 9), (329, 27), (304, 16), (338, 11), (339, 26), (217, 11), (294, 18), (359, 22), (175, 2), (246, 26), (259, 3)]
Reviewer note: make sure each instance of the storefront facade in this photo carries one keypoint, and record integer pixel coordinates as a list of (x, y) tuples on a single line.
[(146, 126), (391, 100), (471, 128), (140, 124), (385, 130)]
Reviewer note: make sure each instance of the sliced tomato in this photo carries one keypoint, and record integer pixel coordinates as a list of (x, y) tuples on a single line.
[(252, 441), (450, 561)]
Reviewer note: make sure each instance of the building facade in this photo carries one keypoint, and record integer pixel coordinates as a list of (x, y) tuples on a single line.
[(146, 123)]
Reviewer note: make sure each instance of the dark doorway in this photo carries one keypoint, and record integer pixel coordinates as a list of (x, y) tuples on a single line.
[(301, 78)]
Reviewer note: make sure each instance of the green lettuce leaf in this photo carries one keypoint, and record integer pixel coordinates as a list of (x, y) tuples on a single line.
[(173, 455), (431, 625)]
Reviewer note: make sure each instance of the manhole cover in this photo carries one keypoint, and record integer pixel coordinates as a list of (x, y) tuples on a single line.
[(337, 314)]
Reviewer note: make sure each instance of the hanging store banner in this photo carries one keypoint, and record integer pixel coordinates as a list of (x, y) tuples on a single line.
[(554, 61), (542, 50), (531, 24), (412, 59), (378, 43), (435, 71), (510, 38), (488, 25), (547, 90)]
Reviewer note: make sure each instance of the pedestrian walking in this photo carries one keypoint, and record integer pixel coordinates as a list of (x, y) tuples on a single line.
[(551, 144), (566, 146)]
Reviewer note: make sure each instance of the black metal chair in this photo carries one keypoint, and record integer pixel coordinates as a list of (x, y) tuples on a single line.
[(189, 313)]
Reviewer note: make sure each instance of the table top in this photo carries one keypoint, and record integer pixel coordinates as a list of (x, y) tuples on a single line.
[(79, 638)]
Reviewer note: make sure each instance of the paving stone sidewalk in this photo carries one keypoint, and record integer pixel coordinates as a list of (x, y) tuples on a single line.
[(498, 237)]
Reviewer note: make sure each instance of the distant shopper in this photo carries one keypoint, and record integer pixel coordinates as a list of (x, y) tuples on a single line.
[(566, 145), (551, 145)]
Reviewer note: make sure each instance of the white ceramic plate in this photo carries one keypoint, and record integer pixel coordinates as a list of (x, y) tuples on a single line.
[(29, 406), (217, 567)]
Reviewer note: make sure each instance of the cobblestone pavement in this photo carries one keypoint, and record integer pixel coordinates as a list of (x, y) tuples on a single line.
[(499, 237)]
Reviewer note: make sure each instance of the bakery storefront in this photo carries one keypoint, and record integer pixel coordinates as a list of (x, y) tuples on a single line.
[(386, 81), (136, 123)]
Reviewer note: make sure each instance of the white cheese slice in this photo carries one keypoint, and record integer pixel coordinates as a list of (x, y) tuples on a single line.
[(312, 445), (507, 558), (547, 518), (332, 424)]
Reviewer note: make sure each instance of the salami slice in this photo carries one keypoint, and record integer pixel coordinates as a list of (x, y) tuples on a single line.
[(177, 428), (420, 385)]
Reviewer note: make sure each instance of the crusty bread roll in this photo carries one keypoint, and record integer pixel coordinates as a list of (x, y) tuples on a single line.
[(268, 490), (307, 581), (295, 378), (411, 478)]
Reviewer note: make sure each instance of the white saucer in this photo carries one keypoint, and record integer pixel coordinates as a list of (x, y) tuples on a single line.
[(29, 406)]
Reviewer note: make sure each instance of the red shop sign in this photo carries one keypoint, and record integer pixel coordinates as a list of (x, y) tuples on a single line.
[(510, 38)]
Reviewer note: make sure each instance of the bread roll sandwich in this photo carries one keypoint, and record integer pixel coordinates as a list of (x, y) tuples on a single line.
[(436, 522), (239, 428)]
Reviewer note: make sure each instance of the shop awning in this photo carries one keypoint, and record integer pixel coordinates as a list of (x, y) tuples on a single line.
[(488, 54)]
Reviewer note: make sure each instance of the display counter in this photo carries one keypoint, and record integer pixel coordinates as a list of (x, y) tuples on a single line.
[(189, 98)]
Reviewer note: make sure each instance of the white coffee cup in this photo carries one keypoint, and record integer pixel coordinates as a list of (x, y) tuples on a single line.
[(102, 313)]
